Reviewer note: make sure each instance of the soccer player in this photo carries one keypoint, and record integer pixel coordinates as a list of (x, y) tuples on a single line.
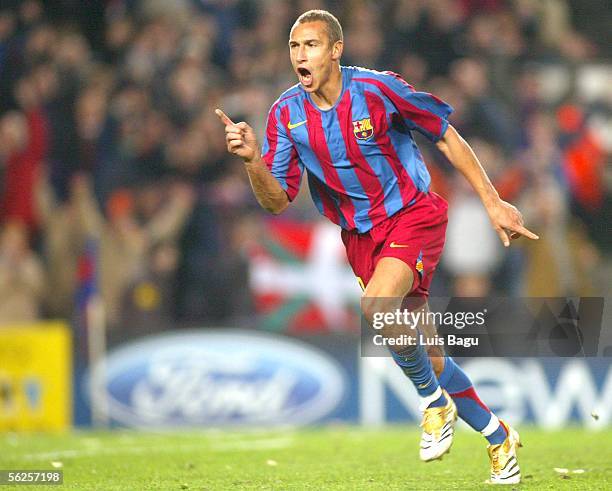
[(350, 129)]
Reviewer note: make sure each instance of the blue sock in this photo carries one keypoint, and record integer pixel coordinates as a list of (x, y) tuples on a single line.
[(469, 406), (498, 436), (415, 363)]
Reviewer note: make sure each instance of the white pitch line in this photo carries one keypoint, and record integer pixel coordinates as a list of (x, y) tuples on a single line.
[(271, 443), (263, 444)]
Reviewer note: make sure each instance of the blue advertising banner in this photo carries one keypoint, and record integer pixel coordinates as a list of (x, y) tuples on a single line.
[(228, 377)]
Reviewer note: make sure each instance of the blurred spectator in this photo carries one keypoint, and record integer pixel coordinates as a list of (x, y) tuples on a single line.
[(21, 276), (23, 144), (138, 241), (583, 158), (472, 251), (485, 116), (107, 133), (63, 240), (556, 264)]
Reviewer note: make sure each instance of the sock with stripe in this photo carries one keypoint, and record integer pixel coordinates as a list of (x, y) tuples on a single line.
[(469, 406), (416, 365)]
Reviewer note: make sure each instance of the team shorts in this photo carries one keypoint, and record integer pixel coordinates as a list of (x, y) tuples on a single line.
[(415, 235)]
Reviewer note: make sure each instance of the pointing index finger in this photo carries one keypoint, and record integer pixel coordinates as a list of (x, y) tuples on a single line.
[(223, 117), (525, 232)]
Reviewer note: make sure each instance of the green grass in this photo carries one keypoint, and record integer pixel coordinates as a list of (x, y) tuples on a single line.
[(329, 458)]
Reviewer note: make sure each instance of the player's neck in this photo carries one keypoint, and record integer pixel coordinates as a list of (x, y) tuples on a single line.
[(327, 95)]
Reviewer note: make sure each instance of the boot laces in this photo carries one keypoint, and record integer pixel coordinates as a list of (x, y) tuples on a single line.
[(433, 419)]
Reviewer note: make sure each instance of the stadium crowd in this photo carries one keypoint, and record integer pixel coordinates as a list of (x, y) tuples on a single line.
[(113, 168)]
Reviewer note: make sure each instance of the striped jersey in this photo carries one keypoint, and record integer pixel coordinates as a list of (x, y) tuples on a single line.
[(362, 163)]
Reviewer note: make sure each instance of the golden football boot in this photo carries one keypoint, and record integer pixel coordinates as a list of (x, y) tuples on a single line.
[(504, 464), (438, 430)]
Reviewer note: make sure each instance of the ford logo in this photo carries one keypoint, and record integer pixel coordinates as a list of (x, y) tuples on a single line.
[(214, 378)]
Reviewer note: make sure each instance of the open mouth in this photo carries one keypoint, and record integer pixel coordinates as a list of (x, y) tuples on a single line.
[(305, 76)]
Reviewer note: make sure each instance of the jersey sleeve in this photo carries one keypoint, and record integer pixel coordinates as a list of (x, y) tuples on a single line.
[(280, 155), (420, 111)]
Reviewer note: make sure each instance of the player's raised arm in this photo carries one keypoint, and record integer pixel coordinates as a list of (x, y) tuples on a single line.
[(241, 141), (506, 219)]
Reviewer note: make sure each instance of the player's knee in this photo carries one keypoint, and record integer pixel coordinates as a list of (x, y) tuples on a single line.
[(373, 308)]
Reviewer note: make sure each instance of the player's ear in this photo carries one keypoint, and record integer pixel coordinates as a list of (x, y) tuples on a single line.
[(337, 50)]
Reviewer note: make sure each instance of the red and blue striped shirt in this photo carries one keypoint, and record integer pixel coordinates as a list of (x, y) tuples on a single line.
[(362, 163)]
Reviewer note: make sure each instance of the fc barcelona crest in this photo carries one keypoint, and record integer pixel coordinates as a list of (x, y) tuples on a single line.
[(419, 264), (363, 129)]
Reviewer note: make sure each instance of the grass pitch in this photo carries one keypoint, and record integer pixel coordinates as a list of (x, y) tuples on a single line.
[(327, 458)]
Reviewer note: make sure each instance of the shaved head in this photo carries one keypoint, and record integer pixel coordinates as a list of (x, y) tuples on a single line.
[(332, 26)]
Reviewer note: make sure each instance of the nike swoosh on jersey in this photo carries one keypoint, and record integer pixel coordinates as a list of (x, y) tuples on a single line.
[(290, 125), (393, 245)]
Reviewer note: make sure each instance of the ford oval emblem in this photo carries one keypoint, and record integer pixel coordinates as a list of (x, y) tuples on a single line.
[(216, 378)]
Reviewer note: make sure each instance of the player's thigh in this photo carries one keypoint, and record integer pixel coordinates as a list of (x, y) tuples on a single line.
[(390, 283), (392, 277)]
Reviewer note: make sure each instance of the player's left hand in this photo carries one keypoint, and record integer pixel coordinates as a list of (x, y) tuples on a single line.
[(508, 222)]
